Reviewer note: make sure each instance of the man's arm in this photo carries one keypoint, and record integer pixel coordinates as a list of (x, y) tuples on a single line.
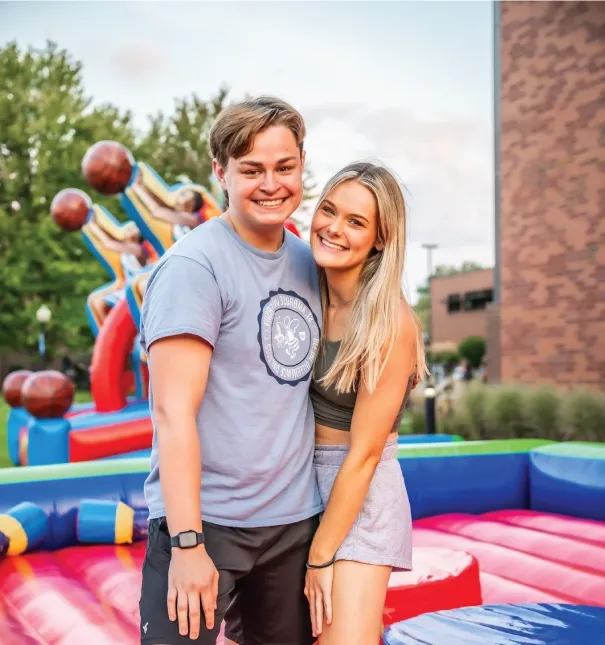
[(179, 372), (180, 322)]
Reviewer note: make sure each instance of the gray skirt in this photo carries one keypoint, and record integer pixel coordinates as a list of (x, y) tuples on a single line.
[(382, 532)]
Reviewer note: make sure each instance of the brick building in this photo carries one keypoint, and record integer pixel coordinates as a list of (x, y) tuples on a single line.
[(458, 307), (549, 322)]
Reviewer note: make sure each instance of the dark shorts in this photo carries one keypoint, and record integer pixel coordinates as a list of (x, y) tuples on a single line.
[(261, 585)]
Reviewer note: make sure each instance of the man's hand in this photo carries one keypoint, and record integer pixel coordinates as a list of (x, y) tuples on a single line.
[(318, 590), (192, 583)]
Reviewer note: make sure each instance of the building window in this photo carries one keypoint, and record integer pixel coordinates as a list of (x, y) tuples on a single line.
[(475, 300), (454, 303)]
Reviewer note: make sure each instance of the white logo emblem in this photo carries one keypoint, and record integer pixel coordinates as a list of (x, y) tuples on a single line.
[(145, 627), (288, 336)]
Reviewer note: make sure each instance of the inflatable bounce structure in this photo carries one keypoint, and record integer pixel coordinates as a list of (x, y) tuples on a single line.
[(509, 548), (116, 424)]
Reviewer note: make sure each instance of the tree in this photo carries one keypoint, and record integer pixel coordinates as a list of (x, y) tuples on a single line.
[(443, 270), (176, 146), (472, 349), (47, 124)]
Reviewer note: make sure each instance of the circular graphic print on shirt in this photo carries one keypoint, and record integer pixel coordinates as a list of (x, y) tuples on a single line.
[(288, 336)]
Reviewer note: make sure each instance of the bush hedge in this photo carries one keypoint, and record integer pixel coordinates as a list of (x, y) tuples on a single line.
[(510, 411)]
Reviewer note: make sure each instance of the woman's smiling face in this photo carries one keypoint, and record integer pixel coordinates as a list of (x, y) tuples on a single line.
[(344, 229)]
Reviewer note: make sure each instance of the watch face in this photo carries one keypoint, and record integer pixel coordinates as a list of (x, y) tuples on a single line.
[(188, 539)]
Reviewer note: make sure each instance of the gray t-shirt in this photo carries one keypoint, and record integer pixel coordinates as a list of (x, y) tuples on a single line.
[(261, 313)]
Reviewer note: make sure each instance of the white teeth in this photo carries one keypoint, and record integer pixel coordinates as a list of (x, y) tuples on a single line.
[(273, 202), (336, 247)]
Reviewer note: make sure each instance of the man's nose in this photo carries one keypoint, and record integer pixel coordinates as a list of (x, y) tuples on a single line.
[(270, 184)]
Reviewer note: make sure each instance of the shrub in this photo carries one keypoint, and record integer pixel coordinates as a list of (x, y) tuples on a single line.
[(504, 414), (508, 411), (472, 349), (583, 417), (543, 412), (446, 358)]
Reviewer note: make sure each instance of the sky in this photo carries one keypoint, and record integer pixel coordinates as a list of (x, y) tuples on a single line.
[(409, 84)]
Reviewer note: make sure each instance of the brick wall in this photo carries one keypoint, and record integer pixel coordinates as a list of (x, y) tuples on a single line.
[(552, 192), (453, 327)]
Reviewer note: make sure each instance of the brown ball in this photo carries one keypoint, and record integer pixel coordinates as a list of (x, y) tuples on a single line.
[(107, 167), (11, 387), (69, 209), (47, 394)]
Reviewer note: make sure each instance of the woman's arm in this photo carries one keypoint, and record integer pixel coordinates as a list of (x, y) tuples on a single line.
[(372, 423)]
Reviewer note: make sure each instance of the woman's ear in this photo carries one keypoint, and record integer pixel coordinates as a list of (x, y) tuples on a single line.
[(379, 246)]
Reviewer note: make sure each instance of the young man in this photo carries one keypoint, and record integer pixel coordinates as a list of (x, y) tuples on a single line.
[(230, 323)]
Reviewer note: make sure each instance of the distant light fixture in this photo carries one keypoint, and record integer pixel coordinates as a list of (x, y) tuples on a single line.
[(43, 315)]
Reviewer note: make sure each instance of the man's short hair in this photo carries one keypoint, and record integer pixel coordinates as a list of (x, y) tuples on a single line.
[(234, 129)]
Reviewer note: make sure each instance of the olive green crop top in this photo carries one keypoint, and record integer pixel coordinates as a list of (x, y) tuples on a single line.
[(332, 409)]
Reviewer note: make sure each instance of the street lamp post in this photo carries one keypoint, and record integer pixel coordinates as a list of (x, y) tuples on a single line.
[(429, 269), (43, 316)]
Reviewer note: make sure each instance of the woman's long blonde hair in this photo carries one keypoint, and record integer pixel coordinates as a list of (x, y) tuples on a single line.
[(373, 323)]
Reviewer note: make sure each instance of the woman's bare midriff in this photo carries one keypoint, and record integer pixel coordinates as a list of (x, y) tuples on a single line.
[(325, 436)]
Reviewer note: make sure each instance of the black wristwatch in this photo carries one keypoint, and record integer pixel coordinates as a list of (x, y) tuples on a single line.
[(186, 540)]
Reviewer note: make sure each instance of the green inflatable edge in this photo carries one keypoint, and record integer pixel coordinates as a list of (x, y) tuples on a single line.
[(459, 448), (20, 474), (454, 449)]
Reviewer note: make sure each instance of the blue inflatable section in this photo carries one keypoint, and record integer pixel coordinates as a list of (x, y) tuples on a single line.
[(568, 478), (466, 483), (87, 418), (93, 419), (426, 438), (539, 624), (17, 418), (60, 498)]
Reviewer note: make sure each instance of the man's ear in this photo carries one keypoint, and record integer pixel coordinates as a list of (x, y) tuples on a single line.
[(303, 158), (219, 173)]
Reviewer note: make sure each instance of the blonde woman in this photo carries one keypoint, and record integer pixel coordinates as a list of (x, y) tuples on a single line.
[(370, 358)]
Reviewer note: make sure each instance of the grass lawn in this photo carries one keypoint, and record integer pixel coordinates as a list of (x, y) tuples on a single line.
[(5, 462)]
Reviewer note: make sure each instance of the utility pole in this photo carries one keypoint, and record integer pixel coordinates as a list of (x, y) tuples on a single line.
[(429, 258), (429, 390), (429, 267)]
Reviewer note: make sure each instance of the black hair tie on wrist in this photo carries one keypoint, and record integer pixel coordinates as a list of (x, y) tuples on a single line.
[(322, 566)]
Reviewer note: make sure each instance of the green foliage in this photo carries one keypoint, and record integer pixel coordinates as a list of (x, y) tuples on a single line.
[(176, 146), (504, 414), (448, 358), (472, 349), (443, 270), (583, 417), (542, 409), (508, 411), (47, 124), (422, 309)]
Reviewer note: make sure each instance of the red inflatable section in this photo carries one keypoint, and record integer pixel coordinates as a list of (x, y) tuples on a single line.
[(107, 441), (291, 226), (440, 579), (109, 379), (77, 596), (550, 559)]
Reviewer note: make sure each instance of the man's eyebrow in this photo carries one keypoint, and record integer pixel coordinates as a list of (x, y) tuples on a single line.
[(258, 164)]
